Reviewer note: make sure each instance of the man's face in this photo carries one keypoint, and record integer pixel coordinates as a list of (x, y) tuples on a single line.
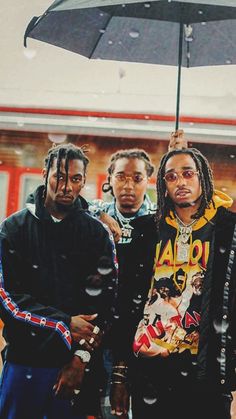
[(129, 182), (65, 195), (184, 191)]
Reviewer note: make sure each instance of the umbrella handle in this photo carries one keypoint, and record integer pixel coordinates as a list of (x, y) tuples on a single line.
[(181, 29)]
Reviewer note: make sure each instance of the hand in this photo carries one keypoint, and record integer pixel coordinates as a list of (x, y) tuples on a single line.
[(112, 224), (177, 140), (70, 378), (84, 331), (119, 398)]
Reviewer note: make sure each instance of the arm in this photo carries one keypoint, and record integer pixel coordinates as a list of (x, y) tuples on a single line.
[(99, 209)]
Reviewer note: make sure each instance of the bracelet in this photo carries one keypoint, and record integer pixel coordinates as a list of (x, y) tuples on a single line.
[(118, 382), (120, 375), (120, 366)]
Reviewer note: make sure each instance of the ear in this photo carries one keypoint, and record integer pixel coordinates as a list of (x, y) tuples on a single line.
[(44, 173)]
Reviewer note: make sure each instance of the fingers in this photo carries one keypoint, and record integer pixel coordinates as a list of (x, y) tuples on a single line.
[(88, 317)]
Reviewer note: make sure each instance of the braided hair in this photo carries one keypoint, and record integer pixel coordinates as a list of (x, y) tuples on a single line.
[(133, 153), (164, 203), (64, 151)]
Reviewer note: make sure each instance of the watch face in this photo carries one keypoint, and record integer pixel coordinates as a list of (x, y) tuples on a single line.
[(83, 355)]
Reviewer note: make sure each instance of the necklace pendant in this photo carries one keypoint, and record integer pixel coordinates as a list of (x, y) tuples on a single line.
[(126, 232), (182, 251)]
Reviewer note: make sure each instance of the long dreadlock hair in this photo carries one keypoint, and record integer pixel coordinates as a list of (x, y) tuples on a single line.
[(164, 203), (133, 153), (64, 151)]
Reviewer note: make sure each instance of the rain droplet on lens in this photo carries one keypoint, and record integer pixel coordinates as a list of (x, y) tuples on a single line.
[(184, 373), (110, 42), (35, 266), (29, 53), (12, 251), (33, 334), (228, 61), (104, 271), (220, 326), (222, 249), (28, 376), (134, 33), (200, 12), (87, 369), (121, 73), (102, 30), (150, 400), (147, 5), (232, 156), (93, 292), (203, 23)]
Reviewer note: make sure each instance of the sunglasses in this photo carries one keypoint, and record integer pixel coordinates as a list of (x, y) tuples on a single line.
[(186, 174), (136, 178)]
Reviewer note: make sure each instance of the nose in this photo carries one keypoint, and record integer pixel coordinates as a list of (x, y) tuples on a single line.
[(181, 180), (67, 187), (129, 182)]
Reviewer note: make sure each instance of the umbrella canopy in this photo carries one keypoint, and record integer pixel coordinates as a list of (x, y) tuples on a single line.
[(183, 33)]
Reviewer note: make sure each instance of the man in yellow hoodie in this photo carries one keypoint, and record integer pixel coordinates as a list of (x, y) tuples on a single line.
[(184, 346)]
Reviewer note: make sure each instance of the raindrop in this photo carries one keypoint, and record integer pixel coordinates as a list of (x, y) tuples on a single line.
[(33, 334), (18, 152), (120, 42), (147, 5), (87, 369), (72, 402), (137, 299), (104, 271), (110, 42), (220, 327), (92, 118), (222, 249), (101, 14), (35, 266), (228, 61), (29, 53), (232, 156), (203, 23), (93, 292), (63, 256), (116, 316), (194, 363), (122, 73), (184, 373), (57, 138), (28, 376), (188, 55), (134, 33), (200, 12), (20, 123), (150, 400), (102, 30), (123, 5)]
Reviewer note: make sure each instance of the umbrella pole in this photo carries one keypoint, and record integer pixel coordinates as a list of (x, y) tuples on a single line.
[(181, 28)]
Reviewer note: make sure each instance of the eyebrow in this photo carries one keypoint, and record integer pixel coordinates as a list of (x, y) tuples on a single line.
[(182, 168)]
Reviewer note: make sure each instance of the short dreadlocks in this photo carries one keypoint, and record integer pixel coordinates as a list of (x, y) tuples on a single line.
[(133, 153), (164, 203), (64, 151)]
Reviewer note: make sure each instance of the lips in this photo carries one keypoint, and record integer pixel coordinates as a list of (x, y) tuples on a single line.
[(182, 193), (127, 196), (65, 197)]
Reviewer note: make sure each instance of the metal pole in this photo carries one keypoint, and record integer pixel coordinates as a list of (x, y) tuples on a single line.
[(181, 28)]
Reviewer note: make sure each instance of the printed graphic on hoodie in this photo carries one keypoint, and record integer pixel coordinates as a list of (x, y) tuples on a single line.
[(172, 314)]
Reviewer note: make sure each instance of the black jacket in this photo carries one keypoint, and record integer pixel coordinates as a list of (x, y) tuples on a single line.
[(217, 346), (48, 268)]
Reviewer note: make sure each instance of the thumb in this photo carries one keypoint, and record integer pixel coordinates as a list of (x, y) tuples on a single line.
[(88, 317)]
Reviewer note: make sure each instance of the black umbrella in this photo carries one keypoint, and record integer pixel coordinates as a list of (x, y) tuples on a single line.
[(183, 33)]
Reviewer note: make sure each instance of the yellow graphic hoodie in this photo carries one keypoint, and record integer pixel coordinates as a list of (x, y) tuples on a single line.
[(172, 314)]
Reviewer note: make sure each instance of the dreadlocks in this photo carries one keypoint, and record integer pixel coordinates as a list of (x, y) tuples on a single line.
[(133, 153), (164, 203), (65, 151)]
